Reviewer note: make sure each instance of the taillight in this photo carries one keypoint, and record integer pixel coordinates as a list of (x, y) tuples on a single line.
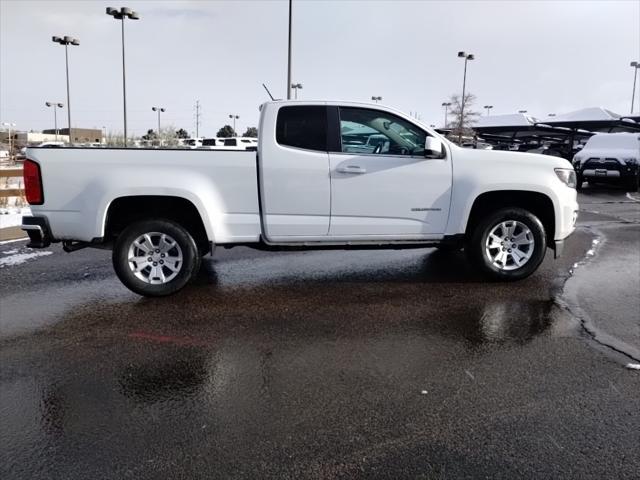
[(33, 183)]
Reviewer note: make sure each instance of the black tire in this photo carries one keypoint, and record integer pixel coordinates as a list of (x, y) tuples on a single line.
[(579, 182), (185, 269), (633, 184), (478, 251)]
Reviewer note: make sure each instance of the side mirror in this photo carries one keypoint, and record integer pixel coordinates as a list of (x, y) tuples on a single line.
[(433, 148)]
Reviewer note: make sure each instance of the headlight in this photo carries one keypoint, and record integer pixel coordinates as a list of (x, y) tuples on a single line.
[(567, 176), (630, 160)]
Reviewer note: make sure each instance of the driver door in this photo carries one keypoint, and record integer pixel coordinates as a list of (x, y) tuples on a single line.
[(381, 183)]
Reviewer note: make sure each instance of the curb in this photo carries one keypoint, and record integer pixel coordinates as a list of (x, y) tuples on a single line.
[(11, 233)]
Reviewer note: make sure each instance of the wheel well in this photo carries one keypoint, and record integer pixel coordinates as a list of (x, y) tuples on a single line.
[(537, 203), (125, 210)]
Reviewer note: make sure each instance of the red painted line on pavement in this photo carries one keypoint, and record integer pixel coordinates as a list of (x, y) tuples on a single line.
[(167, 339)]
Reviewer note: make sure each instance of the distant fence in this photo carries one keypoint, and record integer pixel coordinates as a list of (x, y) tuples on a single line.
[(7, 188)]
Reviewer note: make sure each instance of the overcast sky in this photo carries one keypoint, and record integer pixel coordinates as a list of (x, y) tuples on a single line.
[(542, 56)]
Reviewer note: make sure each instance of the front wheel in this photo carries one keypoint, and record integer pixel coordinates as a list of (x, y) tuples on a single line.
[(155, 258), (508, 245)]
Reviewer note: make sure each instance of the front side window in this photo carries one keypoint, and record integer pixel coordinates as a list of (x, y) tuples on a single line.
[(303, 127), (375, 132)]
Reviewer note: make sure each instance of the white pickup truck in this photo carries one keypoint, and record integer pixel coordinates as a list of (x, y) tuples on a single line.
[(311, 185)]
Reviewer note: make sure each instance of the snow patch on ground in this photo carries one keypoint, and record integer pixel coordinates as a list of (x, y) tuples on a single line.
[(19, 258), (12, 216)]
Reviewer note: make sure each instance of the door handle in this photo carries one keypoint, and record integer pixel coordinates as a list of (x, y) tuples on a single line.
[(352, 169)]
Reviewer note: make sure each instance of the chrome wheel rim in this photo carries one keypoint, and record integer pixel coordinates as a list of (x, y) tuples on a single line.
[(509, 245), (155, 258)]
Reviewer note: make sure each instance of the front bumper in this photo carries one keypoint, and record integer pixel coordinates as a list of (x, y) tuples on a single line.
[(38, 230), (608, 170)]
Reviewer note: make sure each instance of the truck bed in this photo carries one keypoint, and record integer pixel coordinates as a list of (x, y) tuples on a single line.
[(80, 183)]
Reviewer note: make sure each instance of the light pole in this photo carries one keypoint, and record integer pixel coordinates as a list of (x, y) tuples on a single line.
[(446, 106), (296, 87), (104, 134), (66, 41), (234, 118), (289, 54), (121, 14), (467, 57), (376, 99), (55, 106), (9, 125), (488, 107), (636, 66), (159, 110)]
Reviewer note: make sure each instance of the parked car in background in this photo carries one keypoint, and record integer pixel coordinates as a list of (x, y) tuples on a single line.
[(546, 150), (609, 158), (232, 143)]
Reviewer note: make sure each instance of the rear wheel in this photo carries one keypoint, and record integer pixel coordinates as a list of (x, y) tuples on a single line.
[(579, 181), (508, 245), (155, 257)]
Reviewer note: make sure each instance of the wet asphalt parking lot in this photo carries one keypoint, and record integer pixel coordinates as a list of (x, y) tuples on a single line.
[(339, 364)]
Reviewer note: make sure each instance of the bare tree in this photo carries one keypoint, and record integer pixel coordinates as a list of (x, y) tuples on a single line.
[(462, 121), (168, 136)]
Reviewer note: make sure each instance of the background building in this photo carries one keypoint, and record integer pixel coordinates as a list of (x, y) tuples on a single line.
[(79, 135)]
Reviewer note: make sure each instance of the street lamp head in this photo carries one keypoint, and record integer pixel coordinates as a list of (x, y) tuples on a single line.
[(66, 40), (134, 16), (462, 54), (60, 105), (635, 64), (471, 57), (48, 104), (522, 111), (162, 110), (154, 109)]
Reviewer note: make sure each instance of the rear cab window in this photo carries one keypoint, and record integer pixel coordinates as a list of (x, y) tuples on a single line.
[(302, 127)]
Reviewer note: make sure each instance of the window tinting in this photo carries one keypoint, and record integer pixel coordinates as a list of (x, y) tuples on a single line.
[(209, 142), (230, 142), (303, 127), (376, 132)]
